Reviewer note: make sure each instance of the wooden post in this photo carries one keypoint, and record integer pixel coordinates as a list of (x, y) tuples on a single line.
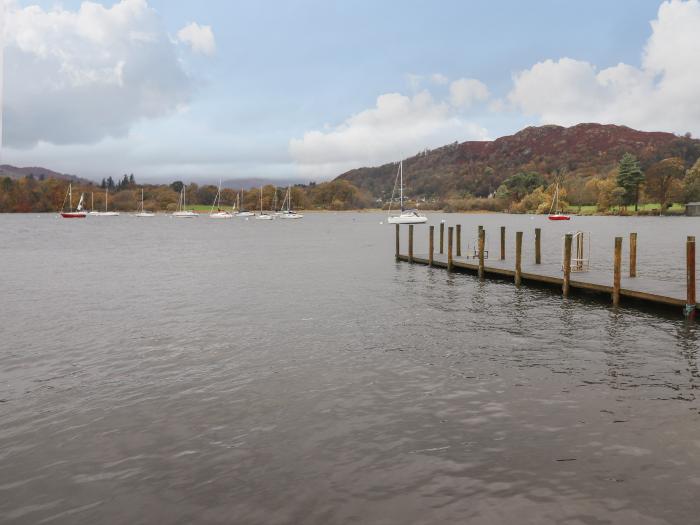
[(459, 240), (449, 248), (442, 237), (503, 243), (538, 244), (482, 238), (431, 245), (397, 242), (518, 258), (633, 255), (566, 265), (690, 277), (410, 243), (617, 271)]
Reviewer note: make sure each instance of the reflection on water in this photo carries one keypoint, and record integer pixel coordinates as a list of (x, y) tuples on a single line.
[(295, 373)]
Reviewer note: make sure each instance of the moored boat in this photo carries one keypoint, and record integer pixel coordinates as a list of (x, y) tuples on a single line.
[(79, 212), (406, 216)]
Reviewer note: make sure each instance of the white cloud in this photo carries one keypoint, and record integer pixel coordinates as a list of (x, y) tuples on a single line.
[(439, 79), (396, 127), (76, 77), (662, 94), (199, 38), (466, 91)]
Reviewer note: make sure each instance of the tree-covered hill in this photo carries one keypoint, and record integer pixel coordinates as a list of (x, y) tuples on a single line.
[(479, 167)]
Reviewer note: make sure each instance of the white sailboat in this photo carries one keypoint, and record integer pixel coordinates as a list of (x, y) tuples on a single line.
[(555, 213), (182, 212), (142, 212), (287, 212), (241, 212), (92, 211), (107, 213), (219, 214), (78, 213), (263, 216), (407, 216)]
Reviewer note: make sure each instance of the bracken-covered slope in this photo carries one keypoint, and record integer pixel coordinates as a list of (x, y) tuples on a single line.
[(479, 167)]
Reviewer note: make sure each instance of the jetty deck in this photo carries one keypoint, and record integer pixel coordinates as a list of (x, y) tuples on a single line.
[(643, 289)]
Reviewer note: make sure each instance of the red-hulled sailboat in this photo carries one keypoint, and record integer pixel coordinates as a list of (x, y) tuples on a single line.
[(79, 212), (555, 214)]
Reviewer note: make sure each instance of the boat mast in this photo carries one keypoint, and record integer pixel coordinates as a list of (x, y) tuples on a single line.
[(70, 197), (401, 175), (106, 197), (92, 201)]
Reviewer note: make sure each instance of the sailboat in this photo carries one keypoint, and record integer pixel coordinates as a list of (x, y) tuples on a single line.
[(92, 211), (407, 216), (555, 214), (288, 213), (142, 212), (182, 212), (241, 212), (263, 216), (78, 213), (107, 213), (219, 214)]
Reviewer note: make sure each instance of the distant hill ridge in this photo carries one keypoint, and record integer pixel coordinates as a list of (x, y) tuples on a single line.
[(479, 167), (14, 172)]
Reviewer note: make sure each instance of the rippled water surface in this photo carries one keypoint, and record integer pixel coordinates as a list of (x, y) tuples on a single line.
[(172, 371)]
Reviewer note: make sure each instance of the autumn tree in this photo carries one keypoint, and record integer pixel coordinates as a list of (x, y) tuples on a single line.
[(691, 183), (664, 180)]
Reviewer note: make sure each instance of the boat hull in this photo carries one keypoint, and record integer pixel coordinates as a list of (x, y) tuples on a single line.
[(184, 215), (264, 217), (407, 220), (145, 214), (559, 218), (290, 216), (73, 214), (221, 215)]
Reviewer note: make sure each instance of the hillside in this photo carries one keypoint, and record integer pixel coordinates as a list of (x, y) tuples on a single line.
[(478, 167), (39, 173)]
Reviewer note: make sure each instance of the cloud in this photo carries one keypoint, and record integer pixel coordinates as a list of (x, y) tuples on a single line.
[(396, 127), (76, 77), (661, 94), (466, 91), (199, 38), (439, 79)]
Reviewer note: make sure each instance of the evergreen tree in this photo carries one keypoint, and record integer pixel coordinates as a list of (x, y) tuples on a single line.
[(125, 181), (110, 182), (132, 181), (103, 185), (629, 178)]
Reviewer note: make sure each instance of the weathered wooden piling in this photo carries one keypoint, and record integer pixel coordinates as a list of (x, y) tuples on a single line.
[(503, 243), (538, 245), (449, 248), (410, 243), (566, 265), (431, 245), (690, 277), (442, 237), (459, 240), (617, 271), (482, 242), (398, 242), (518, 258), (633, 255)]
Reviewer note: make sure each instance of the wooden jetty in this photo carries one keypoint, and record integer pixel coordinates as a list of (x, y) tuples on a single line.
[(558, 274)]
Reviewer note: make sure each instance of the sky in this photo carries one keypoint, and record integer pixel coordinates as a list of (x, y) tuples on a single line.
[(308, 89)]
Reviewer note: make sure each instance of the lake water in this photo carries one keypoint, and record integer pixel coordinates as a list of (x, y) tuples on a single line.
[(198, 371)]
